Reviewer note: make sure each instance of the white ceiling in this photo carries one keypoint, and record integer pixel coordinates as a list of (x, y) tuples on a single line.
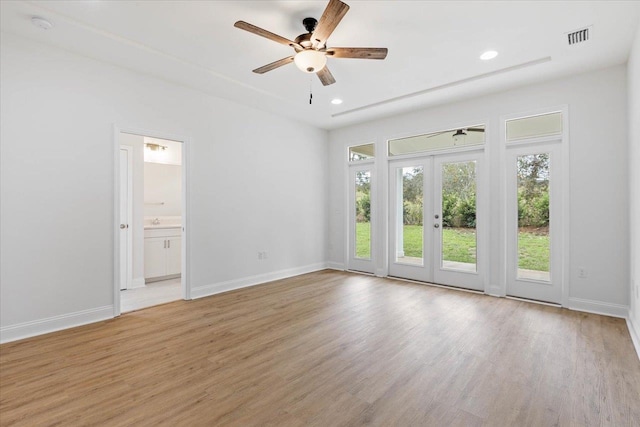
[(434, 47)]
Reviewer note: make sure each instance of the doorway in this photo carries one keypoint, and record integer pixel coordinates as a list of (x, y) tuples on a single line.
[(151, 220), (436, 221)]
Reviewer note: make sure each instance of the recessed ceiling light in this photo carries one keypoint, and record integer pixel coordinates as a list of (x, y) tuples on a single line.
[(336, 101), (41, 23), (490, 54)]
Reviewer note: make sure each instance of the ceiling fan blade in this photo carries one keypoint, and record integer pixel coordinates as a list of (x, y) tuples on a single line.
[(274, 65), (358, 52), (326, 77), (475, 129), (266, 34), (331, 17)]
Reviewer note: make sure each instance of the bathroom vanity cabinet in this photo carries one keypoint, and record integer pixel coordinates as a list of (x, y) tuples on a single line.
[(162, 253)]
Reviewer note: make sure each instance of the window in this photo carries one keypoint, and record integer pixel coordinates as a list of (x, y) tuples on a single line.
[(534, 126), (362, 152), (461, 137)]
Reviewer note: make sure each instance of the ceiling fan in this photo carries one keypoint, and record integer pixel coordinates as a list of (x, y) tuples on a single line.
[(311, 47)]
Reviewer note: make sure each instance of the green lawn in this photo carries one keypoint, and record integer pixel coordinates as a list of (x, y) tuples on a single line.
[(363, 240), (460, 246), (534, 251)]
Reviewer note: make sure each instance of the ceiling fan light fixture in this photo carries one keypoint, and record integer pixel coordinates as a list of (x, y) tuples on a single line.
[(310, 60), (459, 137)]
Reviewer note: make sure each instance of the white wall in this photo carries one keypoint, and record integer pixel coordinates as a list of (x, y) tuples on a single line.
[(634, 194), (599, 212), (57, 147), (162, 190)]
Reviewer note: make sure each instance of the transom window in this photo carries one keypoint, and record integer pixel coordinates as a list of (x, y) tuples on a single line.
[(460, 137), (534, 126), (362, 152)]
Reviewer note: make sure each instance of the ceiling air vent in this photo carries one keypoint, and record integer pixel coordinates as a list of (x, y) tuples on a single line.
[(579, 36)]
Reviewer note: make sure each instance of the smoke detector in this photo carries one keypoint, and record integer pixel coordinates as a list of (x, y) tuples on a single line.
[(41, 23)]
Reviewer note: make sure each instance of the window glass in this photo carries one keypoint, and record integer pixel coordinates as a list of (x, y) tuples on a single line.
[(534, 238), (467, 136), (363, 215), (361, 152), (534, 126)]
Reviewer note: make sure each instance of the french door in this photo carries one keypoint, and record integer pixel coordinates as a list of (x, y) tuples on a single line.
[(534, 219), (361, 220), (435, 230)]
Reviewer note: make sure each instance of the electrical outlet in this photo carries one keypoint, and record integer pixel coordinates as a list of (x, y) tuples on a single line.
[(582, 272)]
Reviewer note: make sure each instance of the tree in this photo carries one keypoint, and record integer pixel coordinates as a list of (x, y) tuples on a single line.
[(533, 190)]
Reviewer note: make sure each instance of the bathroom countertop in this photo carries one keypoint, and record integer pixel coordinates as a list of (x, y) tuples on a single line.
[(157, 226)]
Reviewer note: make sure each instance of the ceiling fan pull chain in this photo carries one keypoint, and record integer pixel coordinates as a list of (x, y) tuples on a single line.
[(310, 91)]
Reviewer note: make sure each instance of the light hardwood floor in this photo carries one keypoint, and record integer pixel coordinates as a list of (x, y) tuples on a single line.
[(327, 349)]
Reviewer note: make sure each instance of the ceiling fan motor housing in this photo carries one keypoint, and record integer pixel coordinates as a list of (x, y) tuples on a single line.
[(310, 24)]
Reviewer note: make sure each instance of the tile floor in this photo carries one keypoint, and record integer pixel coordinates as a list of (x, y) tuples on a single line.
[(152, 294)]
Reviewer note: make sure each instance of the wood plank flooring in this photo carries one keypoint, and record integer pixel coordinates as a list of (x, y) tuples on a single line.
[(329, 349)]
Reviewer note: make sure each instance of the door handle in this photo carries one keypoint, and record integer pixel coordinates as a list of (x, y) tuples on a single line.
[(122, 226), (168, 243), (436, 225)]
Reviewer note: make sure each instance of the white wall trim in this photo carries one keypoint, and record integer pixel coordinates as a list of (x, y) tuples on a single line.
[(635, 333), (55, 323), (598, 307), (336, 266), (244, 282), (138, 282)]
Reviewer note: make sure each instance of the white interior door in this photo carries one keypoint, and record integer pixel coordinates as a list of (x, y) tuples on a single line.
[(125, 217), (434, 222), (361, 218), (534, 218)]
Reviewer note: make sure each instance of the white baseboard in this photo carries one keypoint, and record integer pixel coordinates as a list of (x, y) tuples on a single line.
[(230, 285), (137, 283), (598, 307), (634, 331), (55, 323), (336, 266)]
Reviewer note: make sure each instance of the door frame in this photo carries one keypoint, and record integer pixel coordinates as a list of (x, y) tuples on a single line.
[(129, 151), (186, 213)]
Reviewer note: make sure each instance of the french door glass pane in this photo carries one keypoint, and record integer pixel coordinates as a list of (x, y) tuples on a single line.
[(534, 248), (409, 244), (459, 243), (363, 215)]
